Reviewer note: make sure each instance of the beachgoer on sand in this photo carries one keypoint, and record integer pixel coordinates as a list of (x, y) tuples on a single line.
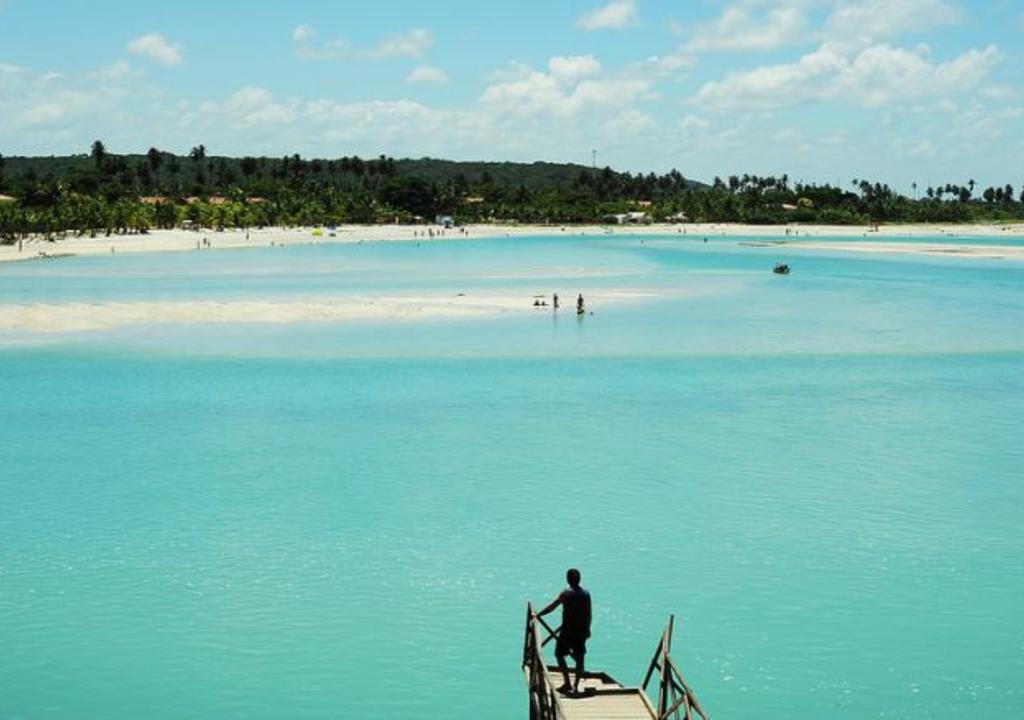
[(572, 638)]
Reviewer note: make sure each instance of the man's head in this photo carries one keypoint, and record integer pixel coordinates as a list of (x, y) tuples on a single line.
[(572, 576)]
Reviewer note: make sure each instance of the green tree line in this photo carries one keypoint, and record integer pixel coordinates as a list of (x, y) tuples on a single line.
[(101, 192)]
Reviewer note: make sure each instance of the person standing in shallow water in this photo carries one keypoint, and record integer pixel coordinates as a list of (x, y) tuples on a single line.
[(572, 638), (579, 305)]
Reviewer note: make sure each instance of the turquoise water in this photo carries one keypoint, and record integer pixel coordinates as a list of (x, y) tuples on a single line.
[(820, 475)]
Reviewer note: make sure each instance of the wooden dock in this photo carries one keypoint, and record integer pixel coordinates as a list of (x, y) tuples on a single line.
[(601, 697)]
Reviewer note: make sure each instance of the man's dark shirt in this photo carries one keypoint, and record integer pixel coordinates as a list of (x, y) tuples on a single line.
[(576, 612)]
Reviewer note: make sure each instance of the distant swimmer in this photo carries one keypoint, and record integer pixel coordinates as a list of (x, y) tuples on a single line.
[(572, 638), (580, 309)]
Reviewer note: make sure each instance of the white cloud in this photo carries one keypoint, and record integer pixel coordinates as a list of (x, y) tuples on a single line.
[(630, 122), (858, 23), (876, 76), (998, 92), (694, 123), (120, 69), (772, 86), (669, 64), (916, 149), (981, 120), (426, 75), (616, 14), (303, 34), (570, 86), (413, 44), (573, 67), (49, 107), (303, 37), (156, 47), (337, 49), (514, 70), (742, 28), (254, 106)]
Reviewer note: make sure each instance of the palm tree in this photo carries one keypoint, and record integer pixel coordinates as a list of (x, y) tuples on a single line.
[(98, 153), (154, 158), (198, 153)]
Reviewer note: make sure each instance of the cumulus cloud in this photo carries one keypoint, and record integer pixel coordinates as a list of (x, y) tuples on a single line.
[(49, 107), (630, 122), (574, 67), (413, 45), (772, 86), (877, 75), (859, 23), (616, 14), (303, 38), (745, 28), (570, 85), (253, 117), (255, 106), (916, 149), (693, 123), (157, 48), (426, 75), (303, 34), (118, 70)]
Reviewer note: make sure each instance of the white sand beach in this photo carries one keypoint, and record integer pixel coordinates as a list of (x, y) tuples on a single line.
[(79, 317), (187, 240), (992, 252)]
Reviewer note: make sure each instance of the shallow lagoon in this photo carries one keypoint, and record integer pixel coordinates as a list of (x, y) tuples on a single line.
[(819, 474)]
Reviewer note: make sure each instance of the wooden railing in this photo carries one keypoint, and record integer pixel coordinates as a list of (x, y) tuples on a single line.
[(674, 701), (542, 690), (675, 698)]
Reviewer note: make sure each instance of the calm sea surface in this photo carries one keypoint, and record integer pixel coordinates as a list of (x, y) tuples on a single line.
[(821, 475)]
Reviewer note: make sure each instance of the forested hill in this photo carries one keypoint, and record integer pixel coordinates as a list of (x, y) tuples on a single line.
[(105, 192), (200, 174)]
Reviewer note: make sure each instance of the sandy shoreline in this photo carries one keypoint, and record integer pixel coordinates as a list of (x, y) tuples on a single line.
[(80, 317), (77, 317), (185, 240), (990, 252)]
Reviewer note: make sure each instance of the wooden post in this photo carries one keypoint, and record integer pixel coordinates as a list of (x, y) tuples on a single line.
[(666, 673)]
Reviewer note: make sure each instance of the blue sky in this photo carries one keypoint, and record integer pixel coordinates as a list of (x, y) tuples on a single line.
[(926, 91)]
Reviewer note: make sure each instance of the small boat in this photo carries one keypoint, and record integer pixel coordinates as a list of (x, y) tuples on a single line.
[(781, 269)]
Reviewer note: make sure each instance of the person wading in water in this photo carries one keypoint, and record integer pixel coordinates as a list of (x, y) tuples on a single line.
[(572, 639)]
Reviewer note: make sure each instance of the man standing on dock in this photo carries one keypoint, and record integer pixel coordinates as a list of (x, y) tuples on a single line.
[(572, 639)]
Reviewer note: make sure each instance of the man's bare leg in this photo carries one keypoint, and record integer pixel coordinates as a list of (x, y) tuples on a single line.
[(565, 672), (579, 672)]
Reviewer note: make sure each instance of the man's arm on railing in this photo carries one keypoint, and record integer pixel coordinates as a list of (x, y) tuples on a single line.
[(551, 606)]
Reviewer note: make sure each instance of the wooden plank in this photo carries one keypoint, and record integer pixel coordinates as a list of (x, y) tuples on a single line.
[(621, 705)]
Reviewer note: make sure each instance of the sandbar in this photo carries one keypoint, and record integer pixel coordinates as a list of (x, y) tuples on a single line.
[(37, 248)]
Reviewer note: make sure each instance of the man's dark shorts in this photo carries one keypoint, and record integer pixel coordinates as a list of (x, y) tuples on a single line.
[(571, 644)]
